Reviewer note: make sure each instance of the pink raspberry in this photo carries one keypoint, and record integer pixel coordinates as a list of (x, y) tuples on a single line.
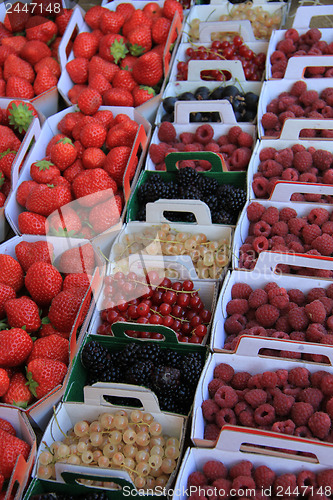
[(245, 140), (329, 407), (285, 484), (166, 132), (186, 137), (322, 159), (239, 306), (296, 225), (313, 396), (242, 483), (222, 485), (309, 97), (299, 377), (284, 427), (282, 404), (186, 164), (279, 299), (318, 216), (330, 291), (315, 333), (264, 477), (243, 468), (240, 159), (226, 397), (301, 412), (287, 46), (316, 312), (269, 380), (267, 154), (240, 291), (204, 134), (317, 377), (239, 380), (158, 152), (324, 244), (312, 36), (327, 228), (320, 424), (282, 377), (298, 88), (287, 214), (328, 177), (259, 186), (241, 406), (302, 161), (266, 315), (257, 298), (284, 157), (260, 244), (224, 372), (209, 410), (264, 414), (310, 233), (280, 229), (213, 385), (277, 57), (271, 215), (255, 211), (197, 478), (269, 120), (315, 293), (214, 469), (233, 134), (328, 304), (235, 324), (261, 228), (293, 34), (285, 115), (212, 146), (211, 432), (225, 417), (298, 319), (306, 480), (256, 397), (325, 478), (326, 385), (246, 418)]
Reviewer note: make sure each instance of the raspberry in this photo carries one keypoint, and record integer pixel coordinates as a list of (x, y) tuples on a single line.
[(317, 377), (269, 120), (327, 228), (293, 34), (186, 137), (240, 291), (282, 404), (224, 372), (316, 311), (271, 215), (298, 319), (256, 397), (235, 324), (243, 468), (298, 88), (213, 385), (282, 377), (312, 36), (158, 152), (257, 298), (204, 134), (246, 418), (267, 154), (296, 225), (211, 432), (226, 397), (259, 186), (299, 377), (286, 114), (318, 216), (225, 417), (267, 315), (271, 168), (242, 483), (324, 244), (209, 409), (329, 291), (315, 293), (315, 333), (240, 158), (186, 164), (255, 381), (264, 477), (322, 159), (286, 46), (328, 304), (223, 487), (284, 157), (301, 412), (280, 229), (302, 161), (214, 469), (166, 132), (260, 244), (306, 480), (245, 140), (197, 478), (320, 424), (255, 211), (310, 233), (285, 484), (239, 306), (241, 406), (233, 134), (261, 228), (279, 299), (325, 478), (326, 385), (313, 396), (264, 414), (287, 214), (284, 427), (239, 380), (269, 380), (328, 177)]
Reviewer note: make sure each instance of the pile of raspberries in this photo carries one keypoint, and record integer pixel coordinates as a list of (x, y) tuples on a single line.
[(294, 402), (235, 146), (272, 311), (299, 103), (294, 45), (217, 481), (295, 164), (284, 231)]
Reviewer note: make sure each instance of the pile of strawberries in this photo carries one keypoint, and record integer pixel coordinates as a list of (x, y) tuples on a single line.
[(295, 402), (295, 164), (29, 41), (122, 57), (82, 172), (299, 103), (294, 44), (235, 147), (272, 311), (39, 301), (284, 231)]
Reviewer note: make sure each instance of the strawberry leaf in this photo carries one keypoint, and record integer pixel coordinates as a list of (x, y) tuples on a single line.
[(46, 321), (20, 404), (20, 116), (31, 383), (43, 165), (65, 140), (2, 179), (118, 50), (63, 232), (5, 153), (149, 90)]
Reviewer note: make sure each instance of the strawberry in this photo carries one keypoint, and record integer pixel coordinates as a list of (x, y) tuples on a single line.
[(8, 139), (126, 10), (15, 66), (118, 97), (44, 81), (105, 117), (68, 122), (62, 20), (5, 51), (41, 28), (16, 345), (4, 386), (47, 329), (89, 101), (93, 135), (112, 48), (85, 45), (46, 198), (6, 161), (93, 158), (20, 115), (128, 62), (142, 94), (148, 70), (15, 20), (77, 280), (63, 310), (99, 83), (99, 65), (50, 63), (65, 222), (15, 42), (139, 40), (43, 171), (63, 153), (152, 10), (116, 162), (170, 7), (78, 70), (160, 30), (122, 134), (93, 186), (50, 347), (28, 253), (23, 191), (43, 282), (44, 375), (3, 198), (124, 79), (106, 214), (11, 447), (111, 22), (6, 293), (93, 16), (22, 312), (11, 273), (136, 20), (78, 260), (19, 87), (18, 393), (5, 425), (53, 141), (34, 51), (73, 170), (30, 223)]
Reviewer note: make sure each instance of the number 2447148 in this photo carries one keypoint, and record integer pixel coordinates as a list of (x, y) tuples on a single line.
[(33, 8)]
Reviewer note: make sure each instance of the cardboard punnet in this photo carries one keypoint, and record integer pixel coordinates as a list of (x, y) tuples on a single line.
[(273, 88), (262, 274), (297, 65), (242, 228), (149, 108), (67, 414), (247, 358), (40, 411), (21, 473), (236, 444)]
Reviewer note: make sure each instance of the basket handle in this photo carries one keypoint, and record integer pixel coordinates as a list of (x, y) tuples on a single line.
[(201, 212), (283, 190), (304, 14), (243, 27), (292, 126), (183, 110), (195, 68)]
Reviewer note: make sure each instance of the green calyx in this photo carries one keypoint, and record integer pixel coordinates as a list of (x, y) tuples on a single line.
[(149, 90), (20, 117), (136, 50), (119, 50), (2, 179), (46, 321), (64, 233), (20, 404), (31, 383), (43, 165), (5, 153), (66, 140)]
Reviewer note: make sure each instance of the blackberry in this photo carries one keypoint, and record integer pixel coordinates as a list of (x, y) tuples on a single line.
[(223, 190), (149, 352), (222, 217), (187, 176), (177, 217), (94, 496), (185, 393), (207, 185), (191, 368), (171, 358), (173, 190), (128, 354), (212, 202), (140, 373), (165, 377), (189, 193), (168, 402), (95, 357), (236, 200), (112, 374)]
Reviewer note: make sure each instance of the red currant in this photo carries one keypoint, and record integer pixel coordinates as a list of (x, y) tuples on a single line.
[(165, 283), (176, 286), (183, 299), (168, 321), (119, 276), (112, 316), (132, 333), (200, 330), (102, 330), (157, 297), (143, 320), (133, 312), (188, 285), (165, 309), (195, 339), (153, 277), (196, 303), (155, 319), (156, 336), (237, 41), (108, 304), (205, 315), (176, 325), (178, 311), (143, 309), (122, 306), (104, 314), (144, 335), (190, 314), (195, 321), (186, 329), (169, 297), (132, 277)]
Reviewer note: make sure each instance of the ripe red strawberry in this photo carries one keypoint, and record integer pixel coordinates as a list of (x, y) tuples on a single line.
[(4, 386), (139, 40), (78, 260), (15, 66), (6, 161), (20, 115), (99, 83), (16, 345), (8, 139), (116, 162), (124, 79), (73, 170), (97, 65), (11, 447), (23, 191), (41, 28), (5, 425), (160, 30), (93, 186), (18, 393), (93, 135), (15, 20), (93, 158), (43, 282), (122, 134), (11, 273), (128, 62), (44, 375), (5, 51), (118, 97), (30, 223), (142, 94), (65, 222), (78, 70), (89, 101), (93, 16), (15, 42), (63, 153), (68, 122), (44, 81), (19, 87), (77, 280), (111, 22), (28, 253), (148, 70), (106, 214), (50, 347), (53, 141), (6, 293), (46, 198), (34, 51), (63, 310), (170, 7), (23, 312), (43, 171), (152, 10), (50, 63), (137, 19), (62, 20), (112, 48), (47, 329), (85, 45), (105, 117), (126, 10)]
